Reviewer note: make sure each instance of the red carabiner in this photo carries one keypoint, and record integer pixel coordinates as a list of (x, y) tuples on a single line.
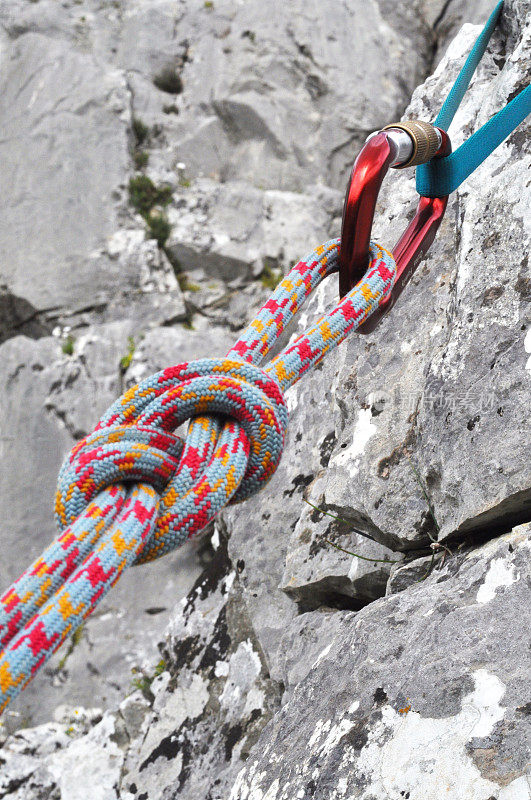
[(380, 152)]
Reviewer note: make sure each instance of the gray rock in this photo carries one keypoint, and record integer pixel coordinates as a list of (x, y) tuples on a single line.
[(232, 231), (316, 572), (367, 709), (262, 84), (421, 694), (59, 761), (217, 691), (304, 640), (416, 571), (71, 136), (233, 92), (18, 317)]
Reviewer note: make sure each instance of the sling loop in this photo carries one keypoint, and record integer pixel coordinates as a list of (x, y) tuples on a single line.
[(440, 177)]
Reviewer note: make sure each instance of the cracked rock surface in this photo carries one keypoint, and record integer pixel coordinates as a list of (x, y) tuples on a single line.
[(359, 628)]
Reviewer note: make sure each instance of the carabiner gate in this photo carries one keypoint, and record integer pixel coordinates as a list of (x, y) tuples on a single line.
[(398, 145)]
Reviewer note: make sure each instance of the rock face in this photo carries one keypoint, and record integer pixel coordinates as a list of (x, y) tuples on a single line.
[(417, 695), (359, 629)]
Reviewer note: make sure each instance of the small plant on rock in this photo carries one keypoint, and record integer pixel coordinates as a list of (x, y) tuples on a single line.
[(74, 641), (68, 346), (141, 159), (140, 131), (144, 195), (144, 681), (185, 284), (270, 277), (361, 533), (159, 228), (125, 361)]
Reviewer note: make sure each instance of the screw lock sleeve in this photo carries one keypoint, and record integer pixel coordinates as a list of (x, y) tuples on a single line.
[(425, 137)]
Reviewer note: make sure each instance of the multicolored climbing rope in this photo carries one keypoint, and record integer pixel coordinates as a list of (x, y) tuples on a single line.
[(132, 490)]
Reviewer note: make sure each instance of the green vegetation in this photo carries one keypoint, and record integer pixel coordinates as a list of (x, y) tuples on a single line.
[(270, 277), (143, 681), (144, 195), (140, 131), (68, 345), (168, 80), (140, 158), (185, 183), (349, 552), (125, 361), (74, 641), (209, 5), (159, 228), (185, 284)]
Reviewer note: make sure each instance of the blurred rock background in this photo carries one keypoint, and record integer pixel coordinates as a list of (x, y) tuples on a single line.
[(163, 164)]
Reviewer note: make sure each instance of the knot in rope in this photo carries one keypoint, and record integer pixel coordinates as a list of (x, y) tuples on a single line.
[(134, 440)]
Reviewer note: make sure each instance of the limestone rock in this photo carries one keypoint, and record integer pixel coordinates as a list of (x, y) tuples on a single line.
[(315, 570), (18, 316), (277, 95), (233, 231), (71, 138), (62, 759), (235, 92), (217, 691), (416, 571), (419, 695)]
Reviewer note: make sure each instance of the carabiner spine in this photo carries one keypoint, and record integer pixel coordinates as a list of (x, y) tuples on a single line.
[(373, 162)]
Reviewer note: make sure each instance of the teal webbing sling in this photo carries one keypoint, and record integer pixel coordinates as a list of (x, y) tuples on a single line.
[(441, 176)]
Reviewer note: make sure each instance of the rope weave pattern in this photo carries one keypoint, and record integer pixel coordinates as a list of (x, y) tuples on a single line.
[(132, 490)]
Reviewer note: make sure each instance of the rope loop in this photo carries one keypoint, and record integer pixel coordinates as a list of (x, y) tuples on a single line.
[(114, 455)]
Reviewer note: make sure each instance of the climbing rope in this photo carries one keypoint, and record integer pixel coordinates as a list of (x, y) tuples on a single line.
[(132, 490)]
